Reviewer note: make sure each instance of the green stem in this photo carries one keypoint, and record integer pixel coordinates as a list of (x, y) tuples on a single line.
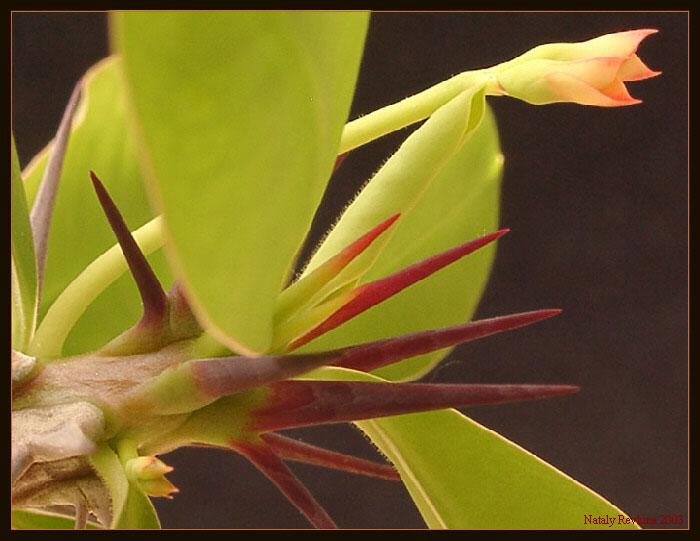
[(72, 302), (126, 450), (412, 109)]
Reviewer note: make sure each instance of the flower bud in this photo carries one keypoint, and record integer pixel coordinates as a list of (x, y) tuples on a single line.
[(159, 488), (146, 468), (149, 472), (592, 72)]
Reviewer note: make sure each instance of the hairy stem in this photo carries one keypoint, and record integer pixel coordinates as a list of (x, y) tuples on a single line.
[(409, 110)]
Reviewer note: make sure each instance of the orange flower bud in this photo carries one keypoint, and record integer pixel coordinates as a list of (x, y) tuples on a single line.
[(592, 72)]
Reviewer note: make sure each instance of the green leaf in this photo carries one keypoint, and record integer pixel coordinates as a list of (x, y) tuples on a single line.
[(138, 512), (24, 280), (99, 141), (44, 520), (131, 508), (241, 115), (460, 204), (109, 468), (463, 475)]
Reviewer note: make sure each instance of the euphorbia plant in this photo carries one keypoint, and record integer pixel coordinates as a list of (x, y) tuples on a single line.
[(235, 123)]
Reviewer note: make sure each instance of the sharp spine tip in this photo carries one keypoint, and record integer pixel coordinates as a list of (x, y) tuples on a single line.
[(306, 403), (155, 301), (372, 355)]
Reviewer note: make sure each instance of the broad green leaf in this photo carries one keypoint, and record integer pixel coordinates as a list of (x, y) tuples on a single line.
[(131, 508), (24, 281), (43, 520), (459, 205), (463, 475), (241, 115), (79, 233)]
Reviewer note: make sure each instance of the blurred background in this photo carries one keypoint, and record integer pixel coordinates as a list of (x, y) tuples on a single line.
[(597, 203)]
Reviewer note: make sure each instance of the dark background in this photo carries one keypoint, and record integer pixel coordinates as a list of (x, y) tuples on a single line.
[(597, 201)]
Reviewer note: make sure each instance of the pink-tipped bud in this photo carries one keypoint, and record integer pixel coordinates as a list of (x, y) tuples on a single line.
[(146, 468), (592, 72)]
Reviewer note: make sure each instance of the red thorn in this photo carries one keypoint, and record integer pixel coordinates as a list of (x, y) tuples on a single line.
[(340, 260), (372, 293), (350, 252), (155, 302), (272, 466), (304, 403), (339, 160), (329, 269), (290, 449), (222, 376), (227, 375), (373, 355)]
